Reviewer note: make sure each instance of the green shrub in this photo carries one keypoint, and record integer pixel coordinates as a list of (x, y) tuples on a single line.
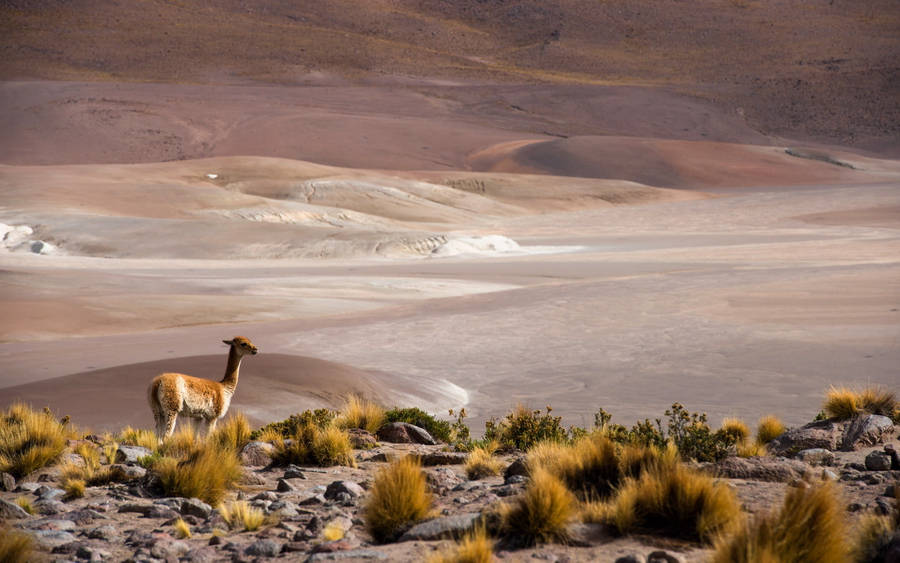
[(439, 429), (29, 440), (399, 498), (523, 428), (809, 527), (288, 427)]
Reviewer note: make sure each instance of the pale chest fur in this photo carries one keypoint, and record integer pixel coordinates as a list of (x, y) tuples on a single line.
[(204, 400)]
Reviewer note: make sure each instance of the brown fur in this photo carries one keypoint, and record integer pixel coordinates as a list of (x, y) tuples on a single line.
[(171, 394)]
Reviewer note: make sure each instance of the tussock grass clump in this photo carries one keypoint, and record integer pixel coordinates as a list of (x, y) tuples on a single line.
[(29, 440), (361, 413), (291, 425), (233, 432), (768, 428), (735, 428), (482, 463), (877, 400), (240, 515), (841, 403), (398, 499), (542, 513), (74, 488), (312, 445), (15, 546), (138, 437), (677, 502), (751, 449), (182, 442), (182, 529), (474, 547), (873, 535), (205, 473), (25, 504), (809, 527), (268, 435)]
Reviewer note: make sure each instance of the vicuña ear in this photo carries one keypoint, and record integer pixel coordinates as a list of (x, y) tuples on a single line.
[(229, 342)]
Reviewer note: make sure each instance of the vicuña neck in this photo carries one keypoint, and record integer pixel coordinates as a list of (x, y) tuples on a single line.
[(231, 370)]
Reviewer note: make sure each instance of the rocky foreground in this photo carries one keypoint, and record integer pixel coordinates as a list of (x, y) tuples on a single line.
[(316, 514)]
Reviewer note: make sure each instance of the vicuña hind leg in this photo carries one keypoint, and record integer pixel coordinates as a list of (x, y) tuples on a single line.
[(211, 426), (169, 424)]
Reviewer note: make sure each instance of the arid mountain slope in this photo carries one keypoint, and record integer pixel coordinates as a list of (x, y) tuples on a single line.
[(823, 71)]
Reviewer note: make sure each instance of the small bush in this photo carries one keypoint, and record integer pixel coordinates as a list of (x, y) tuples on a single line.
[(439, 429), (676, 502), (398, 499), (15, 546), (769, 428), (542, 513), (182, 529), (240, 515), (841, 403), (523, 428), (291, 425), (74, 488), (205, 473), (361, 413), (474, 547), (29, 440), (809, 527), (312, 445), (138, 437), (736, 429), (482, 463), (25, 505), (232, 433)]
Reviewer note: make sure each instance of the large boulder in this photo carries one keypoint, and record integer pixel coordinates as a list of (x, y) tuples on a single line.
[(867, 430), (130, 455), (405, 433), (257, 454), (760, 468), (878, 461), (448, 527), (827, 434)]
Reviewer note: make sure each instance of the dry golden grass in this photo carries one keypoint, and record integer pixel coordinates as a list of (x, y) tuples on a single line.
[(736, 428), (269, 435), (182, 529), (676, 502), (29, 440), (482, 463), (595, 511), (205, 473), (872, 537), (138, 437), (240, 515), (550, 455), (74, 488), (809, 527), (769, 428), (841, 403), (182, 442), (25, 504), (312, 445), (361, 413), (751, 449), (542, 513), (15, 546), (877, 400), (234, 432), (399, 498), (474, 547)]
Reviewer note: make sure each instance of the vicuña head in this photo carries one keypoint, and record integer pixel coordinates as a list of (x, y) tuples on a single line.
[(171, 394)]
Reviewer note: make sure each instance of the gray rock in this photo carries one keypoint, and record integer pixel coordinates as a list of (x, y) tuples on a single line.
[(28, 487), (827, 434), (516, 468), (878, 461), (203, 555), (251, 478), (196, 507), (816, 456), (284, 486), (353, 554), (516, 480), (49, 539), (588, 534), (405, 433), (442, 479), (48, 507), (7, 482), (106, 532), (293, 472), (52, 524), (130, 454), (92, 553), (49, 493), (264, 548), (164, 548), (448, 527), (347, 487), (829, 475), (443, 458), (867, 430), (631, 558), (361, 439), (266, 495), (257, 454), (895, 459), (11, 511), (661, 556), (285, 510), (313, 500), (777, 469), (122, 472)]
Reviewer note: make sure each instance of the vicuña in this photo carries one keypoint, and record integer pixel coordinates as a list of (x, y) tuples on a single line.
[(171, 394)]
